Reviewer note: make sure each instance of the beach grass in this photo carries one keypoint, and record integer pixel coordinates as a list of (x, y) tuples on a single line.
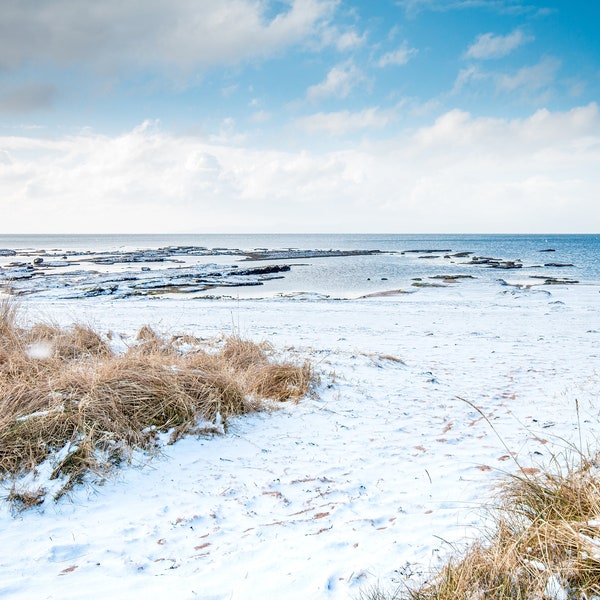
[(543, 543), (68, 398)]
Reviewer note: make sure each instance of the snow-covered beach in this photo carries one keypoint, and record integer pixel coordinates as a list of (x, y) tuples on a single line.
[(368, 482), (232, 365)]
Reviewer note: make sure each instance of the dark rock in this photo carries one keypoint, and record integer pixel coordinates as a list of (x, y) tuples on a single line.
[(559, 265), (294, 254), (241, 284), (558, 281), (548, 250), (267, 270), (434, 251), (458, 255), (7, 252), (451, 277), (100, 291), (507, 264), (56, 264), (483, 260), (495, 263), (38, 261), (423, 284), (554, 280)]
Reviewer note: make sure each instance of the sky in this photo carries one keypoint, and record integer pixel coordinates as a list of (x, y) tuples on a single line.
[(210, 116)]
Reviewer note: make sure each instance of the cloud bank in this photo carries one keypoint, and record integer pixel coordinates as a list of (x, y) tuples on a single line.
[(113, 35), (458, 174)]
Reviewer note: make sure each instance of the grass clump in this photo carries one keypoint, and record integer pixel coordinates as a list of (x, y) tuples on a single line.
[(65, 397), (545, 543), (23, 499)]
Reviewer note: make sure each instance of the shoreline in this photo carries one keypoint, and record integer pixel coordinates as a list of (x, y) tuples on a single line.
[(341, 274)]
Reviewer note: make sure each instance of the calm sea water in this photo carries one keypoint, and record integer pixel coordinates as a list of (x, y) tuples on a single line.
[(362, 274)]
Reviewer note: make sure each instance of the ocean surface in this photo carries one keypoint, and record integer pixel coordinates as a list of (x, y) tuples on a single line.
[(352, 276)]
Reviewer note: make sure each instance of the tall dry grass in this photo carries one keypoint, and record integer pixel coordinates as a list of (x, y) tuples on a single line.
[(544, 543), (64, 393)]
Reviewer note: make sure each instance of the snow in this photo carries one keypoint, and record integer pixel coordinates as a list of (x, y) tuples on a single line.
[(369, 482), (555, 589)]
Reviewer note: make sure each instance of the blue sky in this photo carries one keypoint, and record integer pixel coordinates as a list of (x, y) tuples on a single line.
[(299, 115)]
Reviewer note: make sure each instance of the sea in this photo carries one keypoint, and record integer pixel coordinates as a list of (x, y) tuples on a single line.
[(352, 276)]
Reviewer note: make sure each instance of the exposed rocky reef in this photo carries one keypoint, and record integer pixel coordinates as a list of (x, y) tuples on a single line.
[(434, 251), (122, 274), (294, 254), (495, 263), (194, 270)]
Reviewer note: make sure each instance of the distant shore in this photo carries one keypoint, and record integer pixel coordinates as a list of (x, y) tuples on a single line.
[(200, 271)]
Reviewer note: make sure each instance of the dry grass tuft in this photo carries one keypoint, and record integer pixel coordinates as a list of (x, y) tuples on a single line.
[(545, 543), (23, 499), (8, 317), (65, 395), (280, 381), (376, 593), (149, 342), (390, 358), (51, 341), (242, 354)]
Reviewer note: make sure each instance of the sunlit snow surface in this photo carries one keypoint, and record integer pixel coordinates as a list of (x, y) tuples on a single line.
[(368, 482)]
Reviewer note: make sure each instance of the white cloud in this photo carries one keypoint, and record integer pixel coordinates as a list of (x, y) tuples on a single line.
[(398, 57), (460, 173), (349, 41), (412, 7), (343, 39), (531, 78), (467, 76), (202, 162), (488, 45), (344, 122), (340, 81), (184, 34), (535, 80)]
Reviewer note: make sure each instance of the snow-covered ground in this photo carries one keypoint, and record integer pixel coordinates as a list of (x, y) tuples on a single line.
[(368, 482)]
